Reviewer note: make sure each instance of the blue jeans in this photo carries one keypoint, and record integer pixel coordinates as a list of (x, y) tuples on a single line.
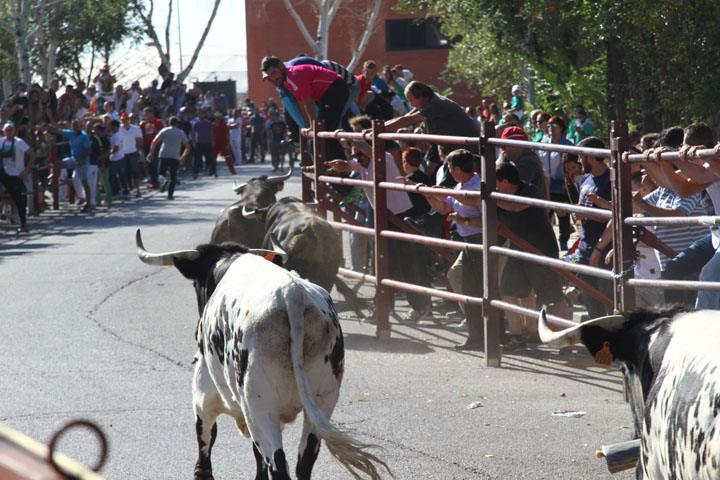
[(594, 307), (685, 266), (710, 299)]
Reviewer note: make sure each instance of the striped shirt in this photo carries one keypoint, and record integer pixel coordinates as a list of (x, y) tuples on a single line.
[(677, 238), (342, 71)]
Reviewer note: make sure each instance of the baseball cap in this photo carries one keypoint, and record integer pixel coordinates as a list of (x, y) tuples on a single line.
[(9, 125), (516, 88), (514, 133), (123, 116), (268, 62)]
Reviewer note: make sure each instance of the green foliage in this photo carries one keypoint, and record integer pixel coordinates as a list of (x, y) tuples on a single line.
[(652, 62)]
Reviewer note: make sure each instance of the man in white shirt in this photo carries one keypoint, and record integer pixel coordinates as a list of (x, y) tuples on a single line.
[(13, 168), (118, 173), (407, 261), (132, 138)]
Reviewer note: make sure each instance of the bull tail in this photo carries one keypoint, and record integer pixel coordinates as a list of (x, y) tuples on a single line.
[(351, 453)]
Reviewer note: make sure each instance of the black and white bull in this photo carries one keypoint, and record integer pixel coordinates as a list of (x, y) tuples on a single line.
[(671, 362), (233, 224), (269, 346)]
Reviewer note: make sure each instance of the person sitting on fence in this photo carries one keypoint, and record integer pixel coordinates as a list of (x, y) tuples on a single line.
[(664, 202), (519, 278), (465, 275), (402, 257)]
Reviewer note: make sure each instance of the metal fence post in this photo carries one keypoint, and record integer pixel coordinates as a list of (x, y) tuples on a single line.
[(319, 162), (623, 246), (382, 303), (491, 315), (307, 191)]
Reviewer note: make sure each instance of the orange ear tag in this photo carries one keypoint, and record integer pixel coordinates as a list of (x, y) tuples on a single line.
[(280, 188), (604, 357), (270, 256)]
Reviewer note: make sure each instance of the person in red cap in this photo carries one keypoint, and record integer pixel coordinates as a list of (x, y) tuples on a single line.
[(526, 160)]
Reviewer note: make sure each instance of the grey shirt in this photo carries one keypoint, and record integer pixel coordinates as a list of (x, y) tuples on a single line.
[(445, 117), (172, 139)]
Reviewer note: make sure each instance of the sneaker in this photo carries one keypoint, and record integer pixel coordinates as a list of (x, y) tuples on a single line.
[(472, 345), (164, 186), (171, 197), (153, 186), (23, 229), (462, 325), (85, 208), (513, 343), (414, 316)]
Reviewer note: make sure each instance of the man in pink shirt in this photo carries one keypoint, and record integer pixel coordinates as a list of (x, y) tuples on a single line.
[(312, 86)]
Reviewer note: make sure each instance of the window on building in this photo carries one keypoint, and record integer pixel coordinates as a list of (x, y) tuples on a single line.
[(409, 34)]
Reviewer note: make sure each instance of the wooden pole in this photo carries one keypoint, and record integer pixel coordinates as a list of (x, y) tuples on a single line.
[(382, 303)]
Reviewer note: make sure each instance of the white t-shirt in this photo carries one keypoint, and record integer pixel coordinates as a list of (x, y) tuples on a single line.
[(236, 134), (14, 165), (129, 138), (397, 201), (116, 141)]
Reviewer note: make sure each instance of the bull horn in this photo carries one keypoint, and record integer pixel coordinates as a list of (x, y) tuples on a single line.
[(162, 259), (278, 249), (252, 214), (571, 336), (281, 178), (239, 188)]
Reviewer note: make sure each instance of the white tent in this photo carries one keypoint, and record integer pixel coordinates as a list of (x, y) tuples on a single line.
[(213, 63)]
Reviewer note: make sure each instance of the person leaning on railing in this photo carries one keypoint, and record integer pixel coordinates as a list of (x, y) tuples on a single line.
[(468, 219)]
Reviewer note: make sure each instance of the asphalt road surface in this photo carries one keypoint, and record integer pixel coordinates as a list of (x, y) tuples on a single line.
[(88, 331)]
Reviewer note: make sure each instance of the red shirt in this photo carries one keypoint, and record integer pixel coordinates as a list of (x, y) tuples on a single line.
[(220, 134), (309, 81), (149, 130), (364, 87)]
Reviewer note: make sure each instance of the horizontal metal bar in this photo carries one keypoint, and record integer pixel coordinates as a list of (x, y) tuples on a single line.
[(417, 137), (345, 181), (456, 297), (352, 228), (672, 156), (552, 319), (365, 277), (342, 134), (435, 242), (536, 202), (595, 152), (700, 220), (673, 284), (554, 262), (440, 191)]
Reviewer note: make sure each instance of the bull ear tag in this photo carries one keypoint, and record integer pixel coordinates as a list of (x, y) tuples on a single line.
[(604, 356), (280, 187)]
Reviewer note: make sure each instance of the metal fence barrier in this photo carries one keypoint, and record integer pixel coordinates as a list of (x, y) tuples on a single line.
[(315, 189)]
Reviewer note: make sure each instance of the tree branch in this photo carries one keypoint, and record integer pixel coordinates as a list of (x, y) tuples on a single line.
[(300, 24), (150, 30), (333, 10), (167, 26), (200, 44), (360, 50)]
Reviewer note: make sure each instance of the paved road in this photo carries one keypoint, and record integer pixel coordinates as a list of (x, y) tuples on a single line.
[(91, 332)]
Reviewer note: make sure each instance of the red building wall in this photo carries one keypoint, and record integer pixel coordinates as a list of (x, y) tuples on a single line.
[(272, 31)]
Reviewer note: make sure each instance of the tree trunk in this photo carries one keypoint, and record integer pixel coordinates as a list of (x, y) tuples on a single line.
[(617, 79), (21, 44), (186, 71), (360, 50), (51, 61)]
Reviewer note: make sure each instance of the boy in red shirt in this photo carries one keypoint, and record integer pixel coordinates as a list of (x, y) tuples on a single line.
[(150, 127), (221, 140)]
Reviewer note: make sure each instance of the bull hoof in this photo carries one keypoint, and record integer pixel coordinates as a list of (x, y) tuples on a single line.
[(203, 474)]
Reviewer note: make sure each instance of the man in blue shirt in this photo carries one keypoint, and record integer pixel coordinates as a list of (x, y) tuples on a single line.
[(79, 160)]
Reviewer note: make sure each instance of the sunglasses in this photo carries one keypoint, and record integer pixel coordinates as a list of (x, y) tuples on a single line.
[(553, 125)]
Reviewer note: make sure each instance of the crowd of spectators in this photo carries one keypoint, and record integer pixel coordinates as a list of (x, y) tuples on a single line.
[(93, 144), (406, 105)]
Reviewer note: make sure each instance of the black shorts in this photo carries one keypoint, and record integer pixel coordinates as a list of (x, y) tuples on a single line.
[(520, 277)]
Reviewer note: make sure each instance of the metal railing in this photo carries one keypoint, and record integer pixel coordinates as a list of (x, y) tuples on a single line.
[(623, 245)]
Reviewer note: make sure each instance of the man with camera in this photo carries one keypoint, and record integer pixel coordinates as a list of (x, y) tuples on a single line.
[(13, 168)]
